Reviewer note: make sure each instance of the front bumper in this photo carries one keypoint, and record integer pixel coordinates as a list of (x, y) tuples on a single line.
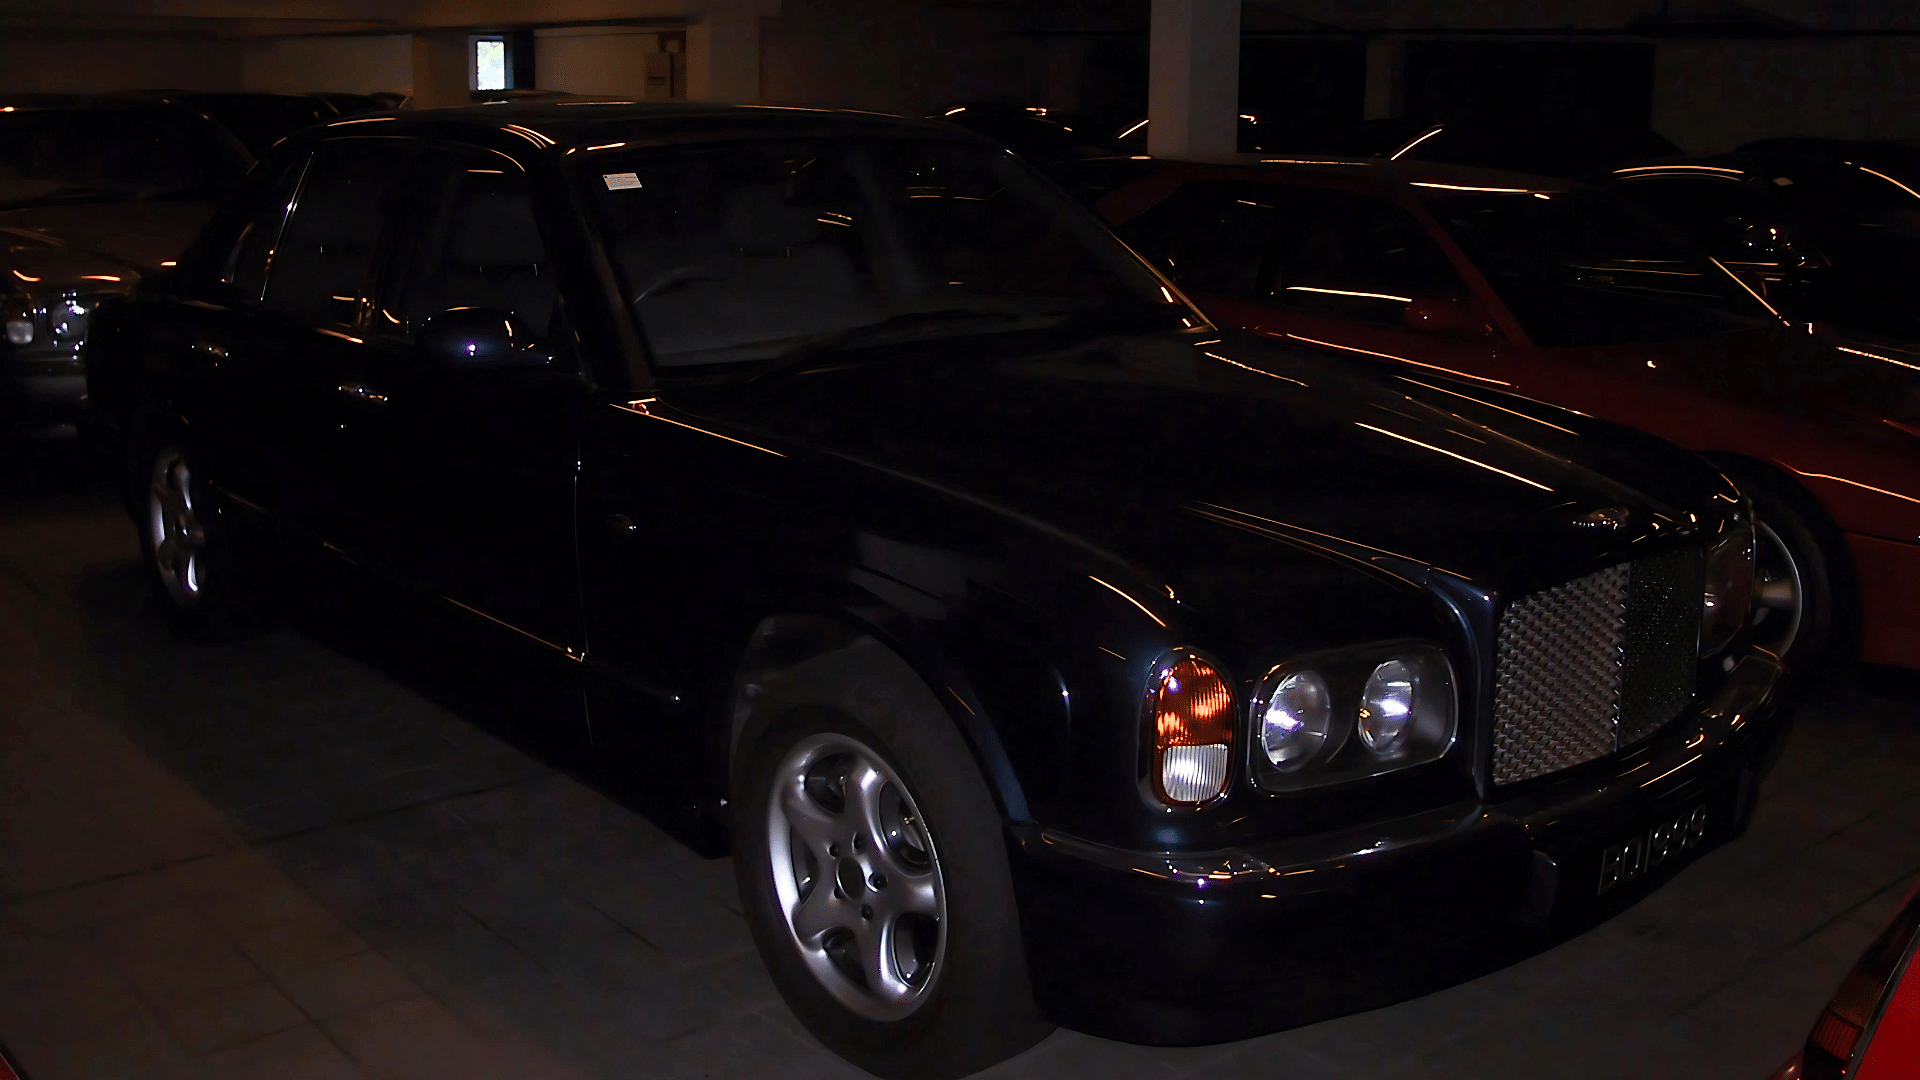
[(1178, 950)]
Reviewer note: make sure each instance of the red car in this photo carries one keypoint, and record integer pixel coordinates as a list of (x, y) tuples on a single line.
[(1563, 293), (1871, 1028)]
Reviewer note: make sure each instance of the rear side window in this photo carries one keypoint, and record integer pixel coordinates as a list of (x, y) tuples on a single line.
[(1719, 212), (1214, 236), (1357, 256), (321, 268), (260, 210), (1312, 249)]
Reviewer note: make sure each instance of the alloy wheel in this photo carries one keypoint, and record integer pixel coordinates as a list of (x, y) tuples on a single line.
[(173, 528), (1779, 593), (858, 880)]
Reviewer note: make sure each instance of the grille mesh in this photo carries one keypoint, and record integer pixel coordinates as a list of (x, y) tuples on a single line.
[(1557, 690), (1663, 643), (1593, 665)]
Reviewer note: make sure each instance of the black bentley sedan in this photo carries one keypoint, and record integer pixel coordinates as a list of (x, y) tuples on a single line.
[(1046, 653)]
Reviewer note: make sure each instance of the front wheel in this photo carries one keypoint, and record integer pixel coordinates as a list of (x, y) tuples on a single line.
[(877, 886), (1797, 611)]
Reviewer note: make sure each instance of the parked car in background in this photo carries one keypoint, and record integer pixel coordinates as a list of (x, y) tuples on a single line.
[(1028, 130), (1042, 652), (1824, 240), (93, 192), (1562, 293), (1871, 1028), (1897, 158), (1559, 150), (259, 120)]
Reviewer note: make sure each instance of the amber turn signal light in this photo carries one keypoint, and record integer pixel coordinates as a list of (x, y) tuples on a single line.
[(1191, 709)]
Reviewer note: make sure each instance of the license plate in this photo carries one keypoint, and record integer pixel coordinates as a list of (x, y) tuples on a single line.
[(1646, 852)]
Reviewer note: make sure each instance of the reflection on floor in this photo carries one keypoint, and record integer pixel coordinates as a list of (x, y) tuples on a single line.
[(293, 856)]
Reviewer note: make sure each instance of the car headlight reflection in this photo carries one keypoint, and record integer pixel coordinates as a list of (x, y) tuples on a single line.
[(1296, 720), (1386, 706)]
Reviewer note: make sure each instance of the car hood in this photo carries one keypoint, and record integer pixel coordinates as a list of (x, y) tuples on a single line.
[(42, 265), (143, 234), (1141, 445)]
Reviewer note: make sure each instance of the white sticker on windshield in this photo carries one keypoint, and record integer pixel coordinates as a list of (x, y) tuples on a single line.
[(621, 181)]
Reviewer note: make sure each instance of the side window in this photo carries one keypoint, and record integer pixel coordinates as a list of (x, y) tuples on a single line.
[(263, 213), (1719, 213), (1359, 257), (321, 268), (1214, 236), (477, 244)]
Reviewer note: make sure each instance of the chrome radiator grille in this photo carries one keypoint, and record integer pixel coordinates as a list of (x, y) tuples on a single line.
[(1594, 665)]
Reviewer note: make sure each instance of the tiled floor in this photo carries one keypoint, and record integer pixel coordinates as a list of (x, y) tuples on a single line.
[(274, 858)]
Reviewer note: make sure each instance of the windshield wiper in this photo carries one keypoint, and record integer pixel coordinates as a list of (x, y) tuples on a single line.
[(836, 340), (1108, 317)]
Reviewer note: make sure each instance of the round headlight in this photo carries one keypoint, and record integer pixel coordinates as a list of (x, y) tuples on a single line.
[(1387, 705), (1295, 722)]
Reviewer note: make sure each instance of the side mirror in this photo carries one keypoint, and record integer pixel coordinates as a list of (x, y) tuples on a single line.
[(479, 338), (1446, 316)]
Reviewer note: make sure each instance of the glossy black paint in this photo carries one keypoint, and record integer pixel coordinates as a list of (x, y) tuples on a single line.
[(1028, 520)]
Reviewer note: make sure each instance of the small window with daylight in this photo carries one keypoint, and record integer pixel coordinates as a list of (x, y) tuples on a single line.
[(490, 64)]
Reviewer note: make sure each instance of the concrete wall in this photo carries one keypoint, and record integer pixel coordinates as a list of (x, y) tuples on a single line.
[(594, 60), (108, 64), (1714, 95), (301, 65), (899, 56)]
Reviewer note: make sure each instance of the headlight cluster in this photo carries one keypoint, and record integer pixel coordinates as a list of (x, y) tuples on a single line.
[(1321, 719), (1729, 586), (1352, 714), (62, 320)]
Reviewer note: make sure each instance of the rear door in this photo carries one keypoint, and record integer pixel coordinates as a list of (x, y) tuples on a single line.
[(280, 355), (316, 303)]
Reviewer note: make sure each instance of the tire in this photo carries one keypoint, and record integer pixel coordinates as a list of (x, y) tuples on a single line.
[(190, 545), (903, 951), (1800, 601)]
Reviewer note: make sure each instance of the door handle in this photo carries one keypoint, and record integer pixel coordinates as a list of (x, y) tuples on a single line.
[(363, 396)]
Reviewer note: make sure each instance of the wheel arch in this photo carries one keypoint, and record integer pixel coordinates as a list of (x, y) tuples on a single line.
[(1748, 472), (868, 670)]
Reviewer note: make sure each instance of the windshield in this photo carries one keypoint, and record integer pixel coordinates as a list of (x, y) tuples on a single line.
[(752, 251), (109, 155), (1583, 268)]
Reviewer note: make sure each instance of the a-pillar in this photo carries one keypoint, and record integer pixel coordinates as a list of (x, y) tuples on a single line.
[(1386, 61), (1193, 87), (723, 49)]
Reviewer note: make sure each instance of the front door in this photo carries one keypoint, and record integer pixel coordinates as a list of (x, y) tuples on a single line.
[(469, 469)]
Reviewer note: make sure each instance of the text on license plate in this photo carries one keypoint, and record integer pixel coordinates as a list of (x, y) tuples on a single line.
[(1642, 854)]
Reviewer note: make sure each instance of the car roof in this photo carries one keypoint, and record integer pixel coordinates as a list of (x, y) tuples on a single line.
[(578, 123)]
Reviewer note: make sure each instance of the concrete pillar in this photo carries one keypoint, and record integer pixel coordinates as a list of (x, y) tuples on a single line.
[(441, 75), (1386, 65), (723, 48), (1193, 87)]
